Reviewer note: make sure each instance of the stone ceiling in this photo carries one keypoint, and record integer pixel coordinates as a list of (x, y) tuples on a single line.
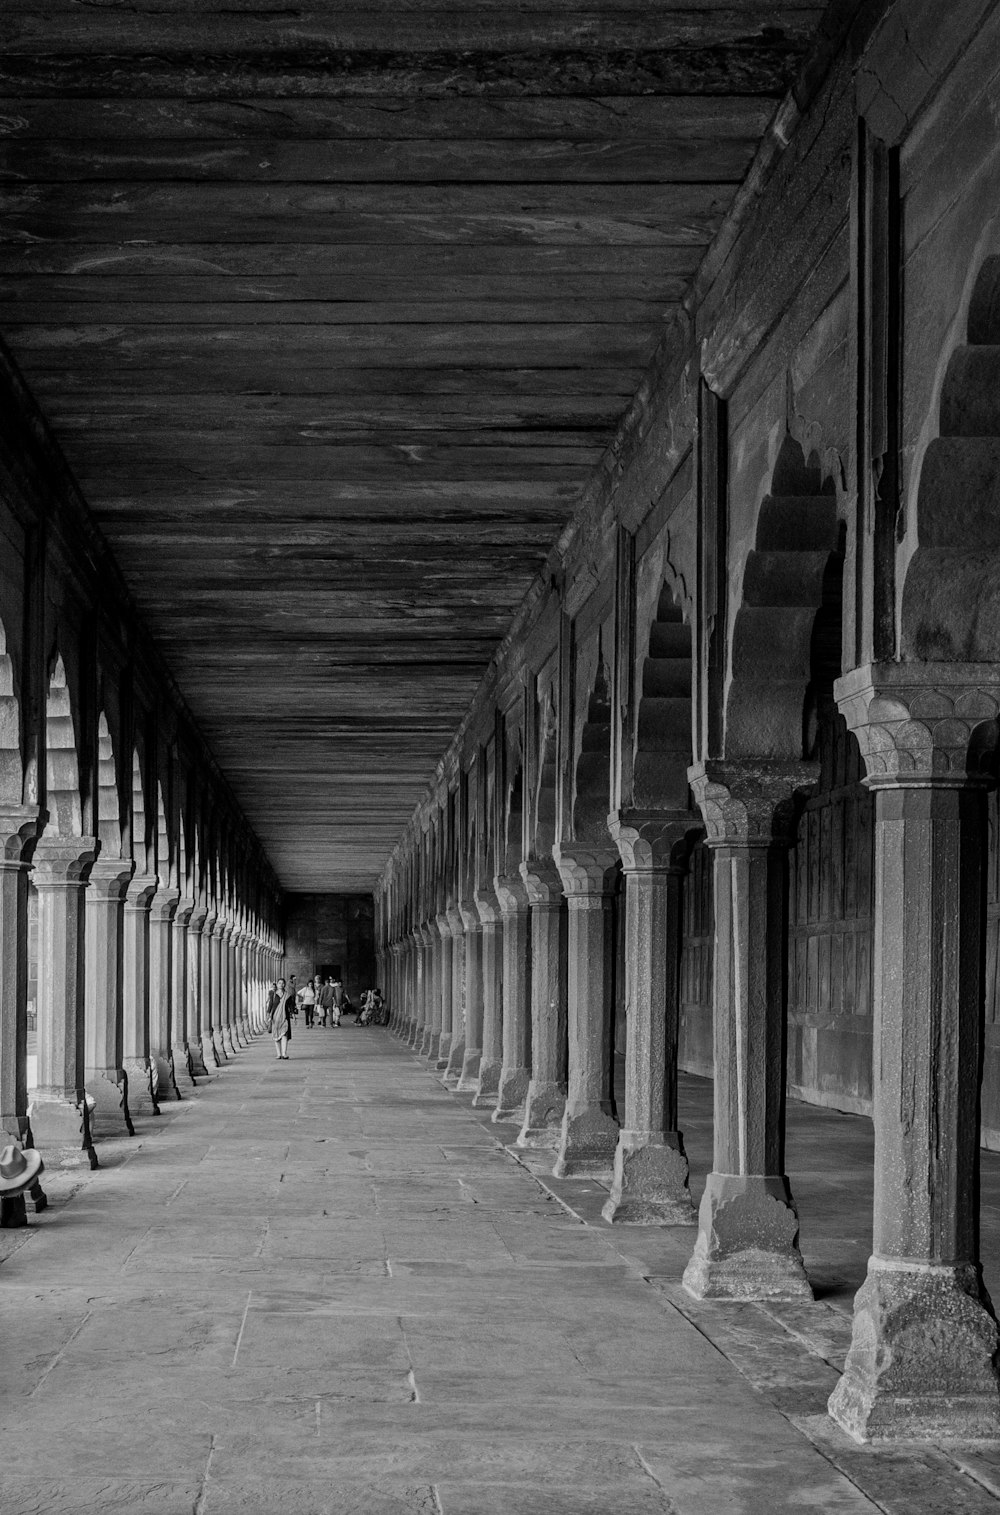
[(333, 309)]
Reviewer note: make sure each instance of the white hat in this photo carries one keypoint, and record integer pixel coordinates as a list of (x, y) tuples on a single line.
[(18, 1169)]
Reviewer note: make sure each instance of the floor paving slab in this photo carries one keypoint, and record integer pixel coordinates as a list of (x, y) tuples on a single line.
[(329, 1288)]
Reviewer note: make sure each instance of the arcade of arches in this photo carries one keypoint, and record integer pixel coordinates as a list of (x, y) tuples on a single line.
[(670, 840)]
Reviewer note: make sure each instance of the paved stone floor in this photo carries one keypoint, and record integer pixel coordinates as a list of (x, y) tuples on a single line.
[(325, 1288)]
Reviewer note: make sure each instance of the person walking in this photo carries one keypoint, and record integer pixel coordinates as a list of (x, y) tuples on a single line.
[(324, 1000), (338, 1001), (307, 1000), (280, 1023)]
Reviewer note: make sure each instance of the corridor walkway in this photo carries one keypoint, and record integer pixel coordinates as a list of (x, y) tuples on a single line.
[(325, 1288)]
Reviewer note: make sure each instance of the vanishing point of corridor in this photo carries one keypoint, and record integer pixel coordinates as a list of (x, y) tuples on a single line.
[(327, 1286)]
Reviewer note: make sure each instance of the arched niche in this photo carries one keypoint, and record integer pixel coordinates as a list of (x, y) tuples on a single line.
[(163, 849), (951, 595), (108, 796), (663, 741), (62, 768), (791, 584), (140, 831), (11, 770), (592, 779), (545, 814)]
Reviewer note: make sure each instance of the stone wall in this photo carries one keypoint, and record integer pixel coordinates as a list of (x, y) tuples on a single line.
[(335, 930)]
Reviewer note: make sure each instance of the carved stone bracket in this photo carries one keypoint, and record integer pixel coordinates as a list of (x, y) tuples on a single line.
[(584, 870), (751, 802), (651, 839), (923, 722), (542, 881), (511, 893)]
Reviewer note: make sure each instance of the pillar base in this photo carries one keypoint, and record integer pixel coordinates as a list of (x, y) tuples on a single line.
[(62, 1129), (748, 1242), (456, 1058), (195, 1060), (921, 1363), (141, 1086), (485, 1096), (430, 1047), (110, 1114), (650, 1185), (512, 1093), (166, 1087), (544, 1107), (443, 1051), (219, 1054), (587, 1145), (209, 1053), (227, 1041), (468, 1079)]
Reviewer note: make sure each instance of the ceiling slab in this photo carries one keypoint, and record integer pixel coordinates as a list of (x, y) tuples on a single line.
[(334, 310)]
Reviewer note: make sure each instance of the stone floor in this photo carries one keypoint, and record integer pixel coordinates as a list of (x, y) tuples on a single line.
[(325, 1288)]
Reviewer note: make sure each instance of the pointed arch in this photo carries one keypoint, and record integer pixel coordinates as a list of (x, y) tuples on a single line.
[(951, 597), (140, 833), (109, 805), (62, 766), (794, 570), (664, 730), (164, 857), (11, 768), (546, 786), (592, 779)]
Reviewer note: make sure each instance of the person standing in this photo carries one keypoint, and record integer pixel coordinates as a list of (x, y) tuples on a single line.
[(324, 1000), (338, 1001), (280, 1023)]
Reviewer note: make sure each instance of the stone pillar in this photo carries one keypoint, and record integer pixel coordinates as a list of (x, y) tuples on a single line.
[(139, 1070), (491, 1057), (545, 1102), (515, 1071), (244, 988), (197, 962), (212, 991), (417, 967), (397, 1008), (104, 1055), (18, 828), (180, 1048), (748, 1238), (650, 1185), (60, 1116), (161, 916), (445, 971), (468, 1078), (923, 1359), (227, 987), (456, 1052), (432, 980), (589, 1134)]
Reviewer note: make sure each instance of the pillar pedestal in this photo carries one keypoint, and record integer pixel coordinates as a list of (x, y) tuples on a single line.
[(589, 1135), (923, 1357), (747, 1245)]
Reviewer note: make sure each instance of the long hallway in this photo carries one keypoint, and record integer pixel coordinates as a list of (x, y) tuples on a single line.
[(325, 1287)]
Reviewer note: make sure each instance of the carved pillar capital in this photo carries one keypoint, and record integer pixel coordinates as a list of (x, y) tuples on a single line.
[(923, 724), (511, 893), (443, 925), (488, 906), (584, 870), (19, 826), (165, 904), (64, 860), (751, 803), (110, 877), (542, 880), (456, 924), (139, 894), (652, 840)]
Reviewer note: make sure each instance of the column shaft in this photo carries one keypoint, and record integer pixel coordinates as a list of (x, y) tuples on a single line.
[(545, 1101), (515, 1071)]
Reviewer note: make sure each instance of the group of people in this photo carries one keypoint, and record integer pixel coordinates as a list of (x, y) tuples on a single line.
[(321, 1001)]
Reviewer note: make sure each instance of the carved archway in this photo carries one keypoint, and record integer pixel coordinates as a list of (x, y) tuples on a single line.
[(11, 776), (663, 750), (591, 797), (62, 768), (794, 570), (951, 595), (140, 848), (108, 798)]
